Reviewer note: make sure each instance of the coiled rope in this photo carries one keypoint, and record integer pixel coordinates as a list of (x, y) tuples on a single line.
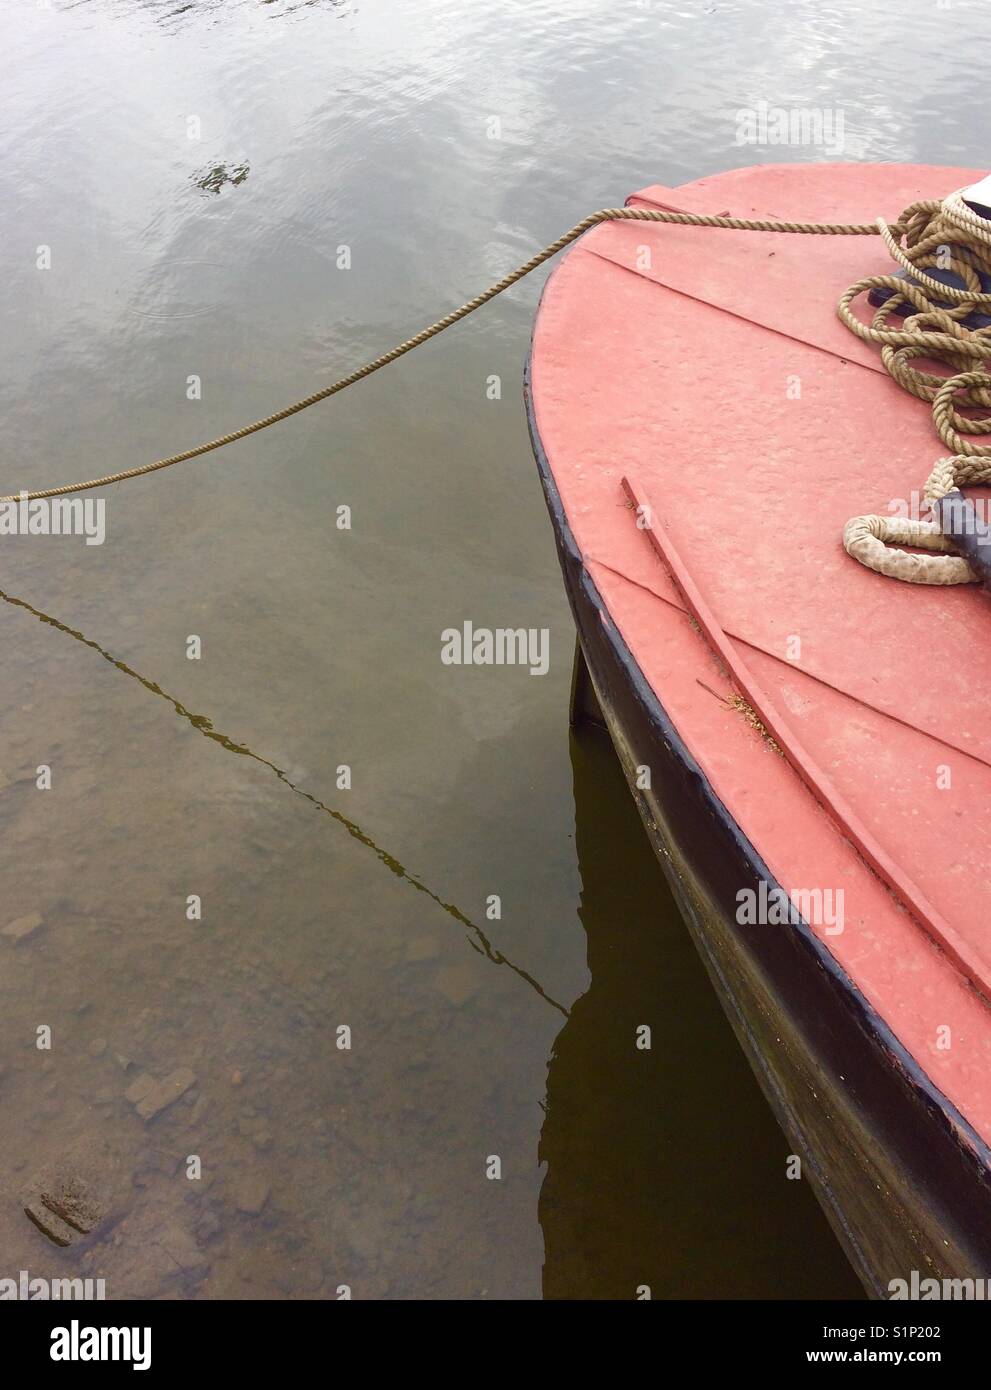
[(950, 236), (946, 234)]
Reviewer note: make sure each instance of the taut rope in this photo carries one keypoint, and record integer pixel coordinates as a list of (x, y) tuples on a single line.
[(946, 234)]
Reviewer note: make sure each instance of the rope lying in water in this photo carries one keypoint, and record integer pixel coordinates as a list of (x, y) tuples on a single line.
[(946, 234), (685, 219)]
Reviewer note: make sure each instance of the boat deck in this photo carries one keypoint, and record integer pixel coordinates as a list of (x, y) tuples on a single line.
[(709, 368)]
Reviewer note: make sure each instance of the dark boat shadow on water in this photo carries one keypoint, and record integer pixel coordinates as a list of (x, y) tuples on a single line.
[(665, 1168)]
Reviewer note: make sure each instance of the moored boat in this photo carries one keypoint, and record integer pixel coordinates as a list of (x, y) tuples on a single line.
[(803, 737)]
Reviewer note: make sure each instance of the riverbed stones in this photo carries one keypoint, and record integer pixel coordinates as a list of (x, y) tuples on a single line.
[(159, 1161), (23, 927), (63, 1207), (150, 1096), (183, 1248), (49, 1223), (199, 1109), (251, 1192), (152, 1253), (139, 1088)]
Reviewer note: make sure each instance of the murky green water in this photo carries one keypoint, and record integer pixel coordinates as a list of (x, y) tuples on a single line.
[(195, 170)]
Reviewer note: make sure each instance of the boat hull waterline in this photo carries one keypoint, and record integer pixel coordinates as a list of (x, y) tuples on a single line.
[(900, 1168)]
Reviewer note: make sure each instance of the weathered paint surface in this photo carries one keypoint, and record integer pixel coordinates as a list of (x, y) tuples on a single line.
[(673, 353)]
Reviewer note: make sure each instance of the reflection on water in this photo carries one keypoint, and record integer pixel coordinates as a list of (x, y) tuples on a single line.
[(664, 1168), (204, 726), (220, 176), (237, 202)]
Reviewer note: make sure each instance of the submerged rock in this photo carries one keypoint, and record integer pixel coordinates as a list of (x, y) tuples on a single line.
[(151, 1253), (49, 1224), (64, 1208), (251, 1192), (183, 1249), (458, 983), (23, 926), (150, 1096)]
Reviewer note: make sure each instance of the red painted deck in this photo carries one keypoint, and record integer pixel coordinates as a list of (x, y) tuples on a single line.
[(672, 368)]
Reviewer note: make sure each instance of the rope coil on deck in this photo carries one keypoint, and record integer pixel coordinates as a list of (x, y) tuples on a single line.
[(952, 237), (946, 234)]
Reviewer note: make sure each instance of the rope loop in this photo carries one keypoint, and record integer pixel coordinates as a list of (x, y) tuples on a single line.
[(873, 540)]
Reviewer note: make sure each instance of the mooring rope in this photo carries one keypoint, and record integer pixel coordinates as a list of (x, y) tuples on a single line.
[(946, 234), (687, 219)]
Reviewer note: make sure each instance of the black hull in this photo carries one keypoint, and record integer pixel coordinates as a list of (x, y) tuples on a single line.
[(901, 1176)]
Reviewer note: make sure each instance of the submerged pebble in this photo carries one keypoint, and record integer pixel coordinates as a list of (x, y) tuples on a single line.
[(23, 927)]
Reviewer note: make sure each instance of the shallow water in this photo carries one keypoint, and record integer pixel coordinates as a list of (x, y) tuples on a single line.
[(195, 169)]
